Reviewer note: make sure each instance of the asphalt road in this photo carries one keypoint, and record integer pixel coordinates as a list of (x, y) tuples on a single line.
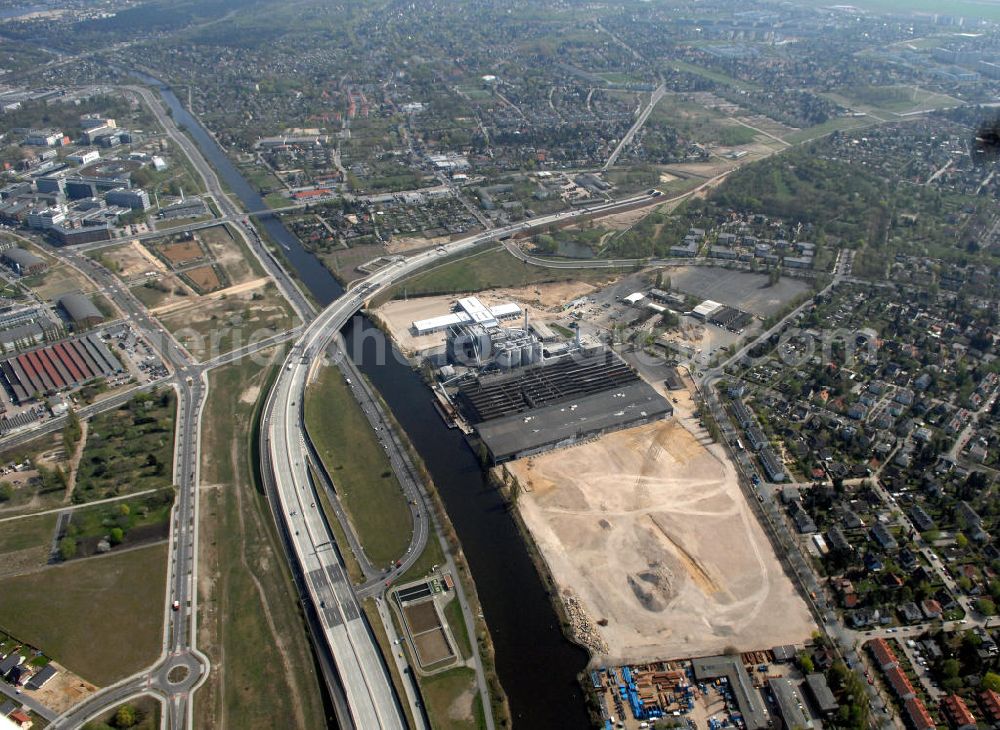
[(368, 697)]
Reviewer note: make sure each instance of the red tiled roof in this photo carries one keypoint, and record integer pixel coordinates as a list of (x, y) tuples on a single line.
[(919, 716), (883, 654), (303, 194), (990, 702), (899, 682), (957, 711)]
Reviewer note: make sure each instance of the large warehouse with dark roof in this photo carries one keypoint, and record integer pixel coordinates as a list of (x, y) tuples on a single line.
[(80, 310), (558, 402)]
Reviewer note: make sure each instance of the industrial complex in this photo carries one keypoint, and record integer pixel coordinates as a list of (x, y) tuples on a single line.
[(557, 402), (751, 691), (521, 396)]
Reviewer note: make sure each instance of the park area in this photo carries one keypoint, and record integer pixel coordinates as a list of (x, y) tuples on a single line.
[(648, 536), (129, 449)]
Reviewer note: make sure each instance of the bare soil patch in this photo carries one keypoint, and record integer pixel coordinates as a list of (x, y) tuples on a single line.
[(182, 252), (205, 278), (406, 244), (649, 530), (62, 691), (228, 253), (432, 647), (131, 260)]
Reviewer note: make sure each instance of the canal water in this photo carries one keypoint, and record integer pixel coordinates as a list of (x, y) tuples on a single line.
[(537, 666)]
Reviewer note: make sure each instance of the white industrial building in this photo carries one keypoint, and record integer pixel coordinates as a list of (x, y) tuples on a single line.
[(470, 310), (706, 309)]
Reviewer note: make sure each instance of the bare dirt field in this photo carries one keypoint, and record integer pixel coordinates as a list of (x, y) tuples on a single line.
[(647, 529), (182, 252), (205, 278), (62, 691), (408, 244), (701, 169), (230, 254), (228, 319), (57, 280), (163, 291), (130, 260), (621, 221)]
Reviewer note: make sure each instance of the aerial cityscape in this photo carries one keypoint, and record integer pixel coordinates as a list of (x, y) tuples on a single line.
[(500, 364)]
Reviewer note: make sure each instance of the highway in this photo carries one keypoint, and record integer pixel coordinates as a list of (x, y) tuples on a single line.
[(348, 646), (364, 678)]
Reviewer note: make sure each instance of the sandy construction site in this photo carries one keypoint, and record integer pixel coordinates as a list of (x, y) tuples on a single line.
[(646, 530)]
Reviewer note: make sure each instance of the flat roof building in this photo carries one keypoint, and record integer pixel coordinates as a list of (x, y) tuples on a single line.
[(748, 699), (821, 694), (470, 310), (790, 705), (557, 402), (566, 423)]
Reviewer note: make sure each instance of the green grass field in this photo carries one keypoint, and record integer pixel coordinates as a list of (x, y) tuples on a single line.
[(101, 618), (147, 714), (354, 571), (700, 124), (375, 621), (453, 612), (487, 270), (710, 74), (127, 514), (891, 100), (837, 123), (431, 556), (359, 468), (26, 533), (249, 613), (446, 694)]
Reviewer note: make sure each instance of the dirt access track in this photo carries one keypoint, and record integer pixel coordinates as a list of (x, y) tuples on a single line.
[(648, 529)]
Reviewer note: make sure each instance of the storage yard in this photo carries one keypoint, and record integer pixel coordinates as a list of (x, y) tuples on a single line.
[(648, 531), (749, 691)]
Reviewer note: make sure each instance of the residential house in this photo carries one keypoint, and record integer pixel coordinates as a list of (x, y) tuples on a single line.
[(880, 533), (900, 683), (919, 717), (989, 702), (884, 656), (20, 719), (957, 713), (910, 613), (931, 609)]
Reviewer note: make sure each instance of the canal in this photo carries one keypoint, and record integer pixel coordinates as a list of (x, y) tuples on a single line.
[(537, 666)]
